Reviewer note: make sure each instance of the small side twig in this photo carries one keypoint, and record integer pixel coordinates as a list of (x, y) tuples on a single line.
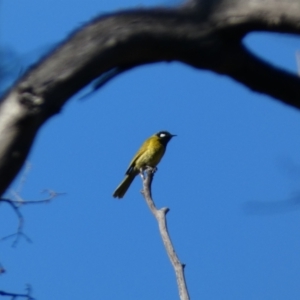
[(160, 215), (2, 270), (16, 204)]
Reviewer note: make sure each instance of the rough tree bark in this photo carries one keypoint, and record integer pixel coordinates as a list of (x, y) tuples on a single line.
[(205, 34)]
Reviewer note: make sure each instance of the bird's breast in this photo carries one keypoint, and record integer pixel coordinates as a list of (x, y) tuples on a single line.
[(152, 154)]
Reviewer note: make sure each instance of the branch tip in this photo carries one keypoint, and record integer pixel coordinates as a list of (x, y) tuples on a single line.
[(165, 210)]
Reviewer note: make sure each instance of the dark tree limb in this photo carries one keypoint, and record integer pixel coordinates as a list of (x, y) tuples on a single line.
[(15, 296), (206, 34), (160, 216)]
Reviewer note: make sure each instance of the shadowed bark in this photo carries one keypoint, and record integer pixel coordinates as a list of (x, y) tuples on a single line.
[(205, 34)]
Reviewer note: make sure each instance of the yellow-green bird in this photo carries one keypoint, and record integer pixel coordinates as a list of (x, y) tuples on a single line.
[(149, 155)]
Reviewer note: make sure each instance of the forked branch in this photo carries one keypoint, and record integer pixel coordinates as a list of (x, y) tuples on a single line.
[(16, 205), (160, 215)]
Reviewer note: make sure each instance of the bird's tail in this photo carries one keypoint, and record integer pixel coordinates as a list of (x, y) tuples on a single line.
[(123, 186)]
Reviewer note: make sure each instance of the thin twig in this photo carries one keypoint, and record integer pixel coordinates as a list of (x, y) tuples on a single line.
[(16, 204), (52, 194), (160, 215)]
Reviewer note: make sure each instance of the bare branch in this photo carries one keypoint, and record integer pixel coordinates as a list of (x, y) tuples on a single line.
[(19, 233), (15, 296), (160, 215), (16, 204)]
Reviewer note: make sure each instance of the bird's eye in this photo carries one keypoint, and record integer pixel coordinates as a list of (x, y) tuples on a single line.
[(162, 135)]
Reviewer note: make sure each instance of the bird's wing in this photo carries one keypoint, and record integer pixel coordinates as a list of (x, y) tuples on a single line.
[(132, 163)]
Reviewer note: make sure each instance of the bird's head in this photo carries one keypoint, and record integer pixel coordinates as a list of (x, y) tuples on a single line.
[(164, 136)]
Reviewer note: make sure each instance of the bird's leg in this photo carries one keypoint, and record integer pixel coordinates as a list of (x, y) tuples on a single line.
[(142, 173), (153, 169)]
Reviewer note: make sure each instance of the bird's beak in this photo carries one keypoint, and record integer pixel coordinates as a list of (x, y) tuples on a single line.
[(173, 135)]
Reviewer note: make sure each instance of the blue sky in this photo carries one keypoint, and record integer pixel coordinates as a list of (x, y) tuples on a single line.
[(228, 178)]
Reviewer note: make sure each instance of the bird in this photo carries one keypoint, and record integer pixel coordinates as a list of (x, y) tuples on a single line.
[(149, 155)]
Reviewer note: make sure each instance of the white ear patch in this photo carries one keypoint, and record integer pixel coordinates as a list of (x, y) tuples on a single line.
[(162, 135)]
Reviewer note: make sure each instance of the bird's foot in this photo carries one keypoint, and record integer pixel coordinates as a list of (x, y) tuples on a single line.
[(154, 170)]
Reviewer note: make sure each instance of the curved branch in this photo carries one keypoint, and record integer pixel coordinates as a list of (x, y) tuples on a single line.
[(254, 73), (205, 34), (160, 215), (15, 296)]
